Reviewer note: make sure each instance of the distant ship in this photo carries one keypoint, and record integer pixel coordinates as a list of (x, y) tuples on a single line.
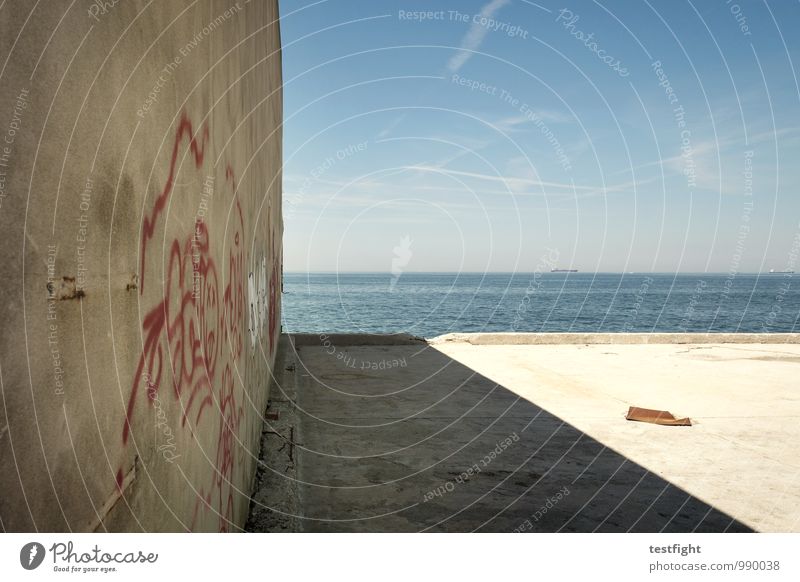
[(563, 270), (784, 272)]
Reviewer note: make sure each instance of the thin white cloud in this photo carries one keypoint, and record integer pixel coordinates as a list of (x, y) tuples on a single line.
[(474, 37), (526, 122), (511, 182), (713, 148), (519, 185), (716, 167), (389, 128)]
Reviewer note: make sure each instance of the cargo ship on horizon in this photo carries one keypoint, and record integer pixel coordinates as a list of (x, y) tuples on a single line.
[(563, 270)]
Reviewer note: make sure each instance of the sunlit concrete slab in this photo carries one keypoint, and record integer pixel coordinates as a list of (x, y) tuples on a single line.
[(480, 433), (742, 454)]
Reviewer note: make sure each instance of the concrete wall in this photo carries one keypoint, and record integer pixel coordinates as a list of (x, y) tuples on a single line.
[(140, 154)]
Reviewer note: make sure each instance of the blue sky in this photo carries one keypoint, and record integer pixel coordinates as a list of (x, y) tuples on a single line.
[(481, 136)]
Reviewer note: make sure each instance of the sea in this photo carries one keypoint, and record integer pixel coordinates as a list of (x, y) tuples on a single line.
[(432, 304)]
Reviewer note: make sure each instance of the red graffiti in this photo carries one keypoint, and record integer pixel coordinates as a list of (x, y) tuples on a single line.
[(198, 152), (195, 327)]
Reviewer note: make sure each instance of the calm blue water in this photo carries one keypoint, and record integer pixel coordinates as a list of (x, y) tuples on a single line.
[(429, 304)]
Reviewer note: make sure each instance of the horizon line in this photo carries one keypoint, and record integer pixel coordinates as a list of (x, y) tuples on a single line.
[(578, 272)]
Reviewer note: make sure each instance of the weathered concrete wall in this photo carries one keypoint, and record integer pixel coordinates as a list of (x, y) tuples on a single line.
[(140, 154)]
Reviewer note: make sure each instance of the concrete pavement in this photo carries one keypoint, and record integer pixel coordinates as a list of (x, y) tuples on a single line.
[(398, 434)]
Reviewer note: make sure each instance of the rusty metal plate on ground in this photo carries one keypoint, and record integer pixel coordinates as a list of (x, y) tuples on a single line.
[(656, 417)]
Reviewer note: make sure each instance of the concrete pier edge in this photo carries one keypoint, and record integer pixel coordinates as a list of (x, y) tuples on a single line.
[(514, 338), (488, 339)]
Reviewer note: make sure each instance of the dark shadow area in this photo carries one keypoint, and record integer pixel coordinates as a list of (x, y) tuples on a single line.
[(401, 438)]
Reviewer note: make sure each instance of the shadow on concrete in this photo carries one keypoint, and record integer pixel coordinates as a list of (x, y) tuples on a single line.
[(397, 437)]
